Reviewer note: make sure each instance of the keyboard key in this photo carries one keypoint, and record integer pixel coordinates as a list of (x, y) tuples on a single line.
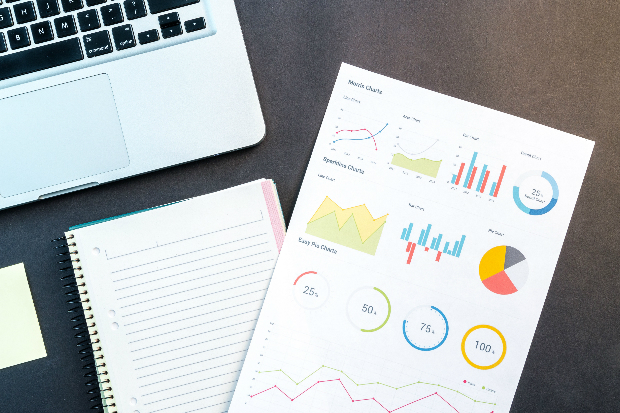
[(134, 9), (168, 20), (18, 38), (71, 5), (157, 6), (171, 31), (88, 20), (48, 8), (5, 18), (65, 26), (42, 32), (148, 36), (91, 3), (3, 47), (40, 58), (24, 12), (123, 37), (97, 44), (195, 24), (111, 14)]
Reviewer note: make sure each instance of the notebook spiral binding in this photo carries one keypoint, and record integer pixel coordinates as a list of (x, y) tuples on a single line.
[(98, 380)]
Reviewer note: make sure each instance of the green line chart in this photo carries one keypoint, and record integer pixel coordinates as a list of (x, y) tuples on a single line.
[(373, 383)]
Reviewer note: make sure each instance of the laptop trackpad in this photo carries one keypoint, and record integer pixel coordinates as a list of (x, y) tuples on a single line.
[(59, 134)]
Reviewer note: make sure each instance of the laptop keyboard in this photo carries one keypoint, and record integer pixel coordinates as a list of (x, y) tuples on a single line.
[(40, 35)]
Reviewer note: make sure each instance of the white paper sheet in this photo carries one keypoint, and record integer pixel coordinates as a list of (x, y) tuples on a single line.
[(176, 293), (418, 257)]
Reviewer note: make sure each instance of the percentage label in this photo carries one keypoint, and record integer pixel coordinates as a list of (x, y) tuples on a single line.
[(310, 289), (425, 328), (484, 347), (375, 309), (366, 308)]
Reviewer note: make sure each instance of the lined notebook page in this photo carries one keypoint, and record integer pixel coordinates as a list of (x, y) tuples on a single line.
[(176, 293)]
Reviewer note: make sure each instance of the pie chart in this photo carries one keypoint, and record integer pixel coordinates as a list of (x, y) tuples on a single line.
[(503, 270)]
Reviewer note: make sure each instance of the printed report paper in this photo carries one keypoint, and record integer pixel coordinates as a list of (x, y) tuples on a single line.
[(418, 258)]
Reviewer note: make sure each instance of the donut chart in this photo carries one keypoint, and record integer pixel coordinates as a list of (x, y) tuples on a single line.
[(484, 347), (426, 328), (369, 309), (536, 196), (310, 290), (503, 270)]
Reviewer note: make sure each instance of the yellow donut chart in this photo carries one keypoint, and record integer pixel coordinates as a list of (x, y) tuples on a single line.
[(496, 331)]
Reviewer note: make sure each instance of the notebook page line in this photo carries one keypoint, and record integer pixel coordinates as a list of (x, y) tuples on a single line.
[(186, 239), (188, 262), (187, 253), (221, 272)]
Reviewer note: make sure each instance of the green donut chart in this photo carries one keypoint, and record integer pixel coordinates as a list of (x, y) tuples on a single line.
[(369, 309), (538, 211)]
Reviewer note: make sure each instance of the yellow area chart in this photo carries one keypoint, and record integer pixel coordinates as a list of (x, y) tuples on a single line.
[(353, 227)]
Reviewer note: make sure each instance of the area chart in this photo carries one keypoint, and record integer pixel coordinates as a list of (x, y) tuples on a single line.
[(353, 227), (422, 165)]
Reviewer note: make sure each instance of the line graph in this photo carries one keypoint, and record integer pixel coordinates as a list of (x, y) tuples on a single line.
[(355, 400), (372, 135), (417, 153), (364, 384)]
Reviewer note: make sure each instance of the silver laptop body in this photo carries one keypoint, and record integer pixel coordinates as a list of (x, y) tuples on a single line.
[(134, 86)]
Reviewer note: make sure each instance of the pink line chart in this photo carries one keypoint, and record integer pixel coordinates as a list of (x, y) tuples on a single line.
[(436, 394)]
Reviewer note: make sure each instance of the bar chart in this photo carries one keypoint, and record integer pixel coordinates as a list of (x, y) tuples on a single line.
[(454, 249), (480, 185)]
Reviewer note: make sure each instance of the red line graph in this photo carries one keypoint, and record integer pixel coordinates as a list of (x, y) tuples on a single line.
[(360, 130), (355, 400)]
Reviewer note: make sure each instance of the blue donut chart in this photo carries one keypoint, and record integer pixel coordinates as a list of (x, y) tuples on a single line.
[(554, 196), (431, 348)]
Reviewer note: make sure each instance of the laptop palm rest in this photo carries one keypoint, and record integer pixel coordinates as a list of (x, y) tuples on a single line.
[(76, 133)]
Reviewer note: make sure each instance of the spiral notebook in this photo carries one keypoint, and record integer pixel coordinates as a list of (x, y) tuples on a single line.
[(170, 297)]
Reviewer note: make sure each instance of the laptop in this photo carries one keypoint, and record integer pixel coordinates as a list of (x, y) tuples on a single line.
[(92, 91)]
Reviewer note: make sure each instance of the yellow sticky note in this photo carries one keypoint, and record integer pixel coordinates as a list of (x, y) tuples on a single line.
[(20, 334)]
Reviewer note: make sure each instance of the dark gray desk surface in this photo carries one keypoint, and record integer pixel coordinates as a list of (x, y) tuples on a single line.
[(552, 62)]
